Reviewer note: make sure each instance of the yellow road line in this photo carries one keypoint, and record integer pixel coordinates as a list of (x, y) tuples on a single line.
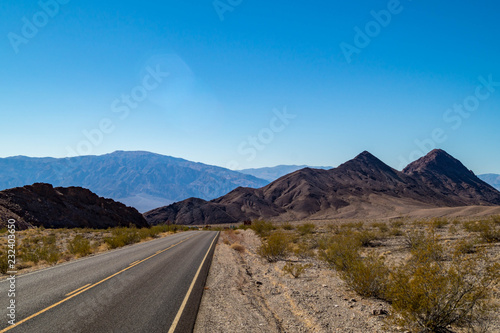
[(76, 292), (135, 262), (184, 302)]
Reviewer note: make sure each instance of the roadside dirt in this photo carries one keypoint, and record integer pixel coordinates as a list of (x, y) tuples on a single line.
[(245, 293)]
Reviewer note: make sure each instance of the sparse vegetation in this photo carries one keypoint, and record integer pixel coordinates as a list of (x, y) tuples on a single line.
[(40, 246), (276, 246), (305, 229), (238, 247), (262, 228), (295, 270), (79, 246)]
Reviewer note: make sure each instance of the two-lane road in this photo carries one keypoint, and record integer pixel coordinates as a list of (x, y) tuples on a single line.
[(148, 287)]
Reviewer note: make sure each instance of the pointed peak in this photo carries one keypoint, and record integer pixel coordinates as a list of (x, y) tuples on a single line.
[(435, 159), (367, 157)]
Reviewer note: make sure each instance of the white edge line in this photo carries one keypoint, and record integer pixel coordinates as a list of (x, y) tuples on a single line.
[(184, 302)]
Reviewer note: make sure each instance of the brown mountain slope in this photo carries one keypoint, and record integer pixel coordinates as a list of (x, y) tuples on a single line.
[(43, 205), (361, 187), (447, 175)]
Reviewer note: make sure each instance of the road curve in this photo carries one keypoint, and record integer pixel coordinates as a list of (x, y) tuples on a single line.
[(148, 287)]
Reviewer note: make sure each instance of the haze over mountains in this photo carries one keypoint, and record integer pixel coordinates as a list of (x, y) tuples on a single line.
[(361, 187), (492, 179), (272, 173), (139, 179)]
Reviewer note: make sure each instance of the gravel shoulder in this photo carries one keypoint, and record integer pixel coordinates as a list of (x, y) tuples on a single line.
[(245, 293)]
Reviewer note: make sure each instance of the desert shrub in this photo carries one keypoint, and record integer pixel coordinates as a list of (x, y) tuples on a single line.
[(80, 246), (276, 246), (367, 276), (340, 251), (439, 223), (262, 228), (396, 232), (429, 296), (295, 270), (398, 223), (382, 227), (287, 226), (238, 247), (426, 247), (121, 237), (40, 248), (303, 250), (4, 264), (367, 238), (490, 233), (465, 246), (414, 238), (305, 229), (353, 225)]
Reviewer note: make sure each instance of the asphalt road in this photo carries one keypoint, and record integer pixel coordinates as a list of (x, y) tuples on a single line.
[(139, 288)]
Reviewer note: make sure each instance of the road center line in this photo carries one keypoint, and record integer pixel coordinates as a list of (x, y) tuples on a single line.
[(83, 289), (74, 291)]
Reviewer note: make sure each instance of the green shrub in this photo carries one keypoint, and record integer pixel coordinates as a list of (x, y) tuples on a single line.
[(367, 276), (40, 248), (341, 251), (121, 237), (295, 270), (287, 226), (80, 246), (262, 228), (276, 246), (305, 229)]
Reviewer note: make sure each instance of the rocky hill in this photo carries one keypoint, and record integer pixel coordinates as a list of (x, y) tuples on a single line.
[(73, 207), (139, 179), (361, 187)]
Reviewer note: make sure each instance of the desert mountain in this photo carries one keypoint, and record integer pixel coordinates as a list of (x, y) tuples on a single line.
[(43, 205), (492, 179), (272, 173), (447, 175), (140, 179), (361, 187)]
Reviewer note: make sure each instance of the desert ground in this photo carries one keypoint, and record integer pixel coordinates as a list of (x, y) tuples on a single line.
[(246, 292)]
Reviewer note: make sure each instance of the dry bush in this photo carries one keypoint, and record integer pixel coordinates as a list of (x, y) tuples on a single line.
[(79, 246), (4, 265), (367, 238), (382, 227), (40, 248), (276, 247), (295, 270), (439, 223), (303, 249), (305, 229), (466, 246), (121, 237), (262, 228), (430, 296), (340, 251), (287, 226), (238, 247)]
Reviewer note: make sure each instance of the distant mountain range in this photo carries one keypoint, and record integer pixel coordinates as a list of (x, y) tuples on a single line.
[(272, 173), (492, 179), (360, 188), (43, 205), (139, 179)]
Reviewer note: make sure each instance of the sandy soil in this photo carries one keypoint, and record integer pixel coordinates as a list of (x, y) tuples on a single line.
[(244, 293)]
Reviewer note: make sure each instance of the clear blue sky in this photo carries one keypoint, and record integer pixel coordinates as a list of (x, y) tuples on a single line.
[(99, 66)]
